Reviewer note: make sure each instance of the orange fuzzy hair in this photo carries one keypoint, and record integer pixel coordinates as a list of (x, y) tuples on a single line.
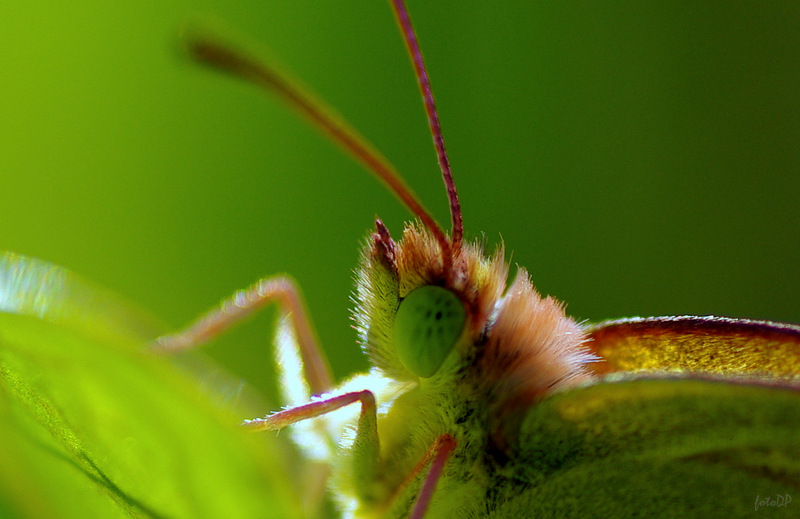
[(523, 345)]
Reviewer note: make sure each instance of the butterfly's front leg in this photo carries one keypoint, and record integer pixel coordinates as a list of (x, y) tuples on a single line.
[(296, 340), (280, 289)]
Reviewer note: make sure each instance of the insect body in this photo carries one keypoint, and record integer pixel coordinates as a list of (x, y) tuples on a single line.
[(487, 400)]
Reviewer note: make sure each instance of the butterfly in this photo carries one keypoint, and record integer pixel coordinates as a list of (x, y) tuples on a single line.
[(486, 400), (682, 404)]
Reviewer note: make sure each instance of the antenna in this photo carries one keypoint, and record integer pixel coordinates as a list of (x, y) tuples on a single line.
[(213, 52), (410, 38)]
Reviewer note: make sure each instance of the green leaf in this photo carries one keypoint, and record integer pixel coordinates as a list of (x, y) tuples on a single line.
[(93, 425)]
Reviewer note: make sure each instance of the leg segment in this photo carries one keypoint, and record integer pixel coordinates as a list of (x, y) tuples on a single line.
[(366, 447), (436, 455), (286, 417), (243, 304)]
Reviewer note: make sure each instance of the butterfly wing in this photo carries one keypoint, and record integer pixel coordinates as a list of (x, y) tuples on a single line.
[(669, 446), (691, 417), (691, 344)]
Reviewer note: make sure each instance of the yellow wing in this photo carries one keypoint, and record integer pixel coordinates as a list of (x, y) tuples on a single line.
[(701, 345)]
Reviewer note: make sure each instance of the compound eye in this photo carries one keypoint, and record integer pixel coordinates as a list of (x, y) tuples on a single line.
[(428, 324)]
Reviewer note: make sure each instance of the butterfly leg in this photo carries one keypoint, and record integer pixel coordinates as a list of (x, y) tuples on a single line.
[(366, 446), (279, 289), (436, 456)]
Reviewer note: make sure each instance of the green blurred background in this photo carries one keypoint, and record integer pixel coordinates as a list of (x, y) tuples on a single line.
[(637, 158)]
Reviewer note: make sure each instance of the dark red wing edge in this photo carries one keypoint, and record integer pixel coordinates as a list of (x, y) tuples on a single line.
[(696, 344)]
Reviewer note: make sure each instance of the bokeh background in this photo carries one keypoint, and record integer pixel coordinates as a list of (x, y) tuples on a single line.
[(637, 158)]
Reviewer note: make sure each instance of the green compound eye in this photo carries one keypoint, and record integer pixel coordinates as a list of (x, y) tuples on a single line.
[(426, 327)]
